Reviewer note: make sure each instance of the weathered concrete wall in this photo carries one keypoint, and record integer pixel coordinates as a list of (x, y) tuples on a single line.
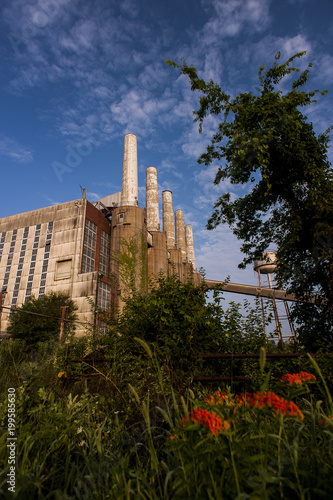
[(128, 234), (158, 255), (65, 243)]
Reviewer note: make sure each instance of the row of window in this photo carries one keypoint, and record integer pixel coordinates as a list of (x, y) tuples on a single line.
[(2, 242), (89, 250), (46, 259), (20, 265), (32, 262), (9, 262)]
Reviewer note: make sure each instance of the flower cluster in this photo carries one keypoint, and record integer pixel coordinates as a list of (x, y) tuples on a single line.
[(270, 400), (209, 420), (219, 398), (297, 378)]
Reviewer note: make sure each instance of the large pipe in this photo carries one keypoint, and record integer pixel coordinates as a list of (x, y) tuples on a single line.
[(168, 225), (129, 189), (190, 245), (153, 219), (180, 233)]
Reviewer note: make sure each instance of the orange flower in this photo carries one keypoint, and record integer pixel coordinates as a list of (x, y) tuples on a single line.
[(219, 398), (297, 378), (209, 420), (270, 400), (326, 422)]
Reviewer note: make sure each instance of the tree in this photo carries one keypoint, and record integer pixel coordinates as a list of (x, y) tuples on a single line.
[(38, 319), (267, 143)]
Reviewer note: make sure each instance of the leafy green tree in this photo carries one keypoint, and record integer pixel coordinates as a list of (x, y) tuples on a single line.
[(179, 323), (38, 319), (267, 143)]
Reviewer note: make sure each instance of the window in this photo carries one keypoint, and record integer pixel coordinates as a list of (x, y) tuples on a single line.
[(104, 255), (63, 269), (89, 246), (121, 218), (103, 301)]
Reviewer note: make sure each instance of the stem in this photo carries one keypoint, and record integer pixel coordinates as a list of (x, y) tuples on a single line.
[(295, 468), (234, 467), (10, 352), (279, 456)]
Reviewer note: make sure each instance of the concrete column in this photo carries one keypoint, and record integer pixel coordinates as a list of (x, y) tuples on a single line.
[(168, 225), (180, 233), (190, 245), (129, 189), (153, 219)]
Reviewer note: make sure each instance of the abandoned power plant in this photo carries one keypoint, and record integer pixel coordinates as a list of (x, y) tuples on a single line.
[(76, 247)]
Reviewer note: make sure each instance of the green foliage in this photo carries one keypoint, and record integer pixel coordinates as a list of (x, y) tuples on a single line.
[(38, 320), (71, 447), (267, 143), (130, 264), (179, 323), (174, 316)]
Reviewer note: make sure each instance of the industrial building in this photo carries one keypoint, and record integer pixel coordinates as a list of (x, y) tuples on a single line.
[(78, 247)]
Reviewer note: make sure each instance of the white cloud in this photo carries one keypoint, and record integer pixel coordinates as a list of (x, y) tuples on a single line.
[(94, 196), (232, 17), (13, 150), (217, 251)]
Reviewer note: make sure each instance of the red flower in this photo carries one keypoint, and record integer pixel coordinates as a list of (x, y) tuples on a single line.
[(270, 400), (209, 420), (297, 378)]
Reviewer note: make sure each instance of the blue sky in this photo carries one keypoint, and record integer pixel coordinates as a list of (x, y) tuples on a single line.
[(77, 75)]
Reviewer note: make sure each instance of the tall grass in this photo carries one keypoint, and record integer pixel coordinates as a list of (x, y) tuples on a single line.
[(156, 443)]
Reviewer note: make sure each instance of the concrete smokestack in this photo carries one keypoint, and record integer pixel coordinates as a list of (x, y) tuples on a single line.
[(168, 225), (153, 219), (129, 189), (190, 245), (180, 233)]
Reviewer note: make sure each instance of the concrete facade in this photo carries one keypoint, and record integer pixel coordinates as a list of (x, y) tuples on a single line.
[(81, 249)]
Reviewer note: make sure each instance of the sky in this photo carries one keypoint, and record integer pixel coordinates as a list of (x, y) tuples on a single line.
[(77, 75)]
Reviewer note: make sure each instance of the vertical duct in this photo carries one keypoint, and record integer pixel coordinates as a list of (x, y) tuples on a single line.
[(190, 245), (153, 219), (168, 225), (180, 233), (129, 189)]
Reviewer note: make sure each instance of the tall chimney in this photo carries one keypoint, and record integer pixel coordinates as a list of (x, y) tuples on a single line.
[(180, 233), (129, 189), (190, 245), (153, 219), (168, 225)]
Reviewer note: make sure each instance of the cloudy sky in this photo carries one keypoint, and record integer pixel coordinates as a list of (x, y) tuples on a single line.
[(77, 75)]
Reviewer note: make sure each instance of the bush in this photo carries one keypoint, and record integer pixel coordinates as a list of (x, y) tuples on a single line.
[(38, 320)]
